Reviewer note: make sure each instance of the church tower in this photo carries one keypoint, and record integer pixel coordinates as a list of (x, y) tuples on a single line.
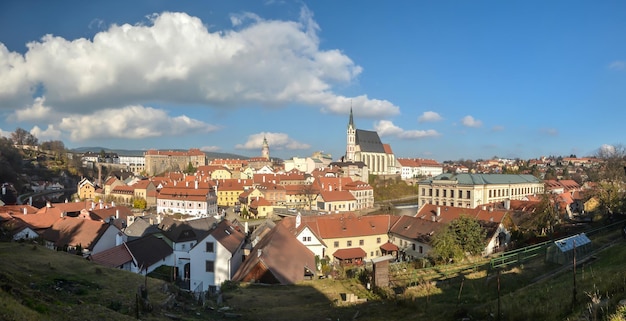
[(265, 151), (351, 143)]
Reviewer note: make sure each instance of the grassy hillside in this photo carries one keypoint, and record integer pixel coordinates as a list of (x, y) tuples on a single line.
[(39, 284)]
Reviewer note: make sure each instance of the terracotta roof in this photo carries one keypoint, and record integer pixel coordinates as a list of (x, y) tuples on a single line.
[(142, 184), (415, 228), (228, 235), (43, 219), (102, 214), (76, 231), (351, 253), (256, 202), (191, 152), (18, 209), (387, 148), (113, 257), (123, 189), (346, 225), (389, 247), (337, 196), (449, 213), (281, 254)]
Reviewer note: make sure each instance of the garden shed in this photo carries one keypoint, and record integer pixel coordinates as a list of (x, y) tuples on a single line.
[(562, 251), (380, 273)]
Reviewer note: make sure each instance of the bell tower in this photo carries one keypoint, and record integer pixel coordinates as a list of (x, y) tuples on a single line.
[(265, 151)]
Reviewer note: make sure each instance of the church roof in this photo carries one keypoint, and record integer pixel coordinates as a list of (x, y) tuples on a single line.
[(369, 141)]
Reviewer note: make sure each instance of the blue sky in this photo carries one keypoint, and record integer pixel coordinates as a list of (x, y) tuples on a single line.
[(445, 80)]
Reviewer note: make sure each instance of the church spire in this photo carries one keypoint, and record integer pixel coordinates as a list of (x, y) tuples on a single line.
[(351, 123)]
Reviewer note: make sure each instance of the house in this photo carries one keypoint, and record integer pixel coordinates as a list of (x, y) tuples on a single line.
[(326, 234), (182, 237), (490, 219), (278, 258), (261, 208), (70, 233), (140, 256), (86, 189), (216, 257), (195, 199), (413, 236)]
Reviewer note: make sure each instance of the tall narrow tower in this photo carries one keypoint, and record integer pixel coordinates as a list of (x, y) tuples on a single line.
[(351, 143), (265, 151)]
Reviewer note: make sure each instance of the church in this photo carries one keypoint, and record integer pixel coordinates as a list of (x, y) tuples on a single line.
[(365, 146)]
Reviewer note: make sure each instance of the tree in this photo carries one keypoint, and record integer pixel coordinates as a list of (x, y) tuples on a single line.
[(22, 137), (140, 203), (462, 235), (310, 193), (612, 176), (545, 217), (190, 169)]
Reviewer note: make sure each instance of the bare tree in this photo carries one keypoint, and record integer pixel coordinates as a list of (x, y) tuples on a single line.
[(612, 176)]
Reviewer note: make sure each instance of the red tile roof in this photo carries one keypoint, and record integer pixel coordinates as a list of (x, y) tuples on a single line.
[(449, 213), (389, 247), (345, 225), (76, 231), (113, 257), (280, 254), (351, 253)]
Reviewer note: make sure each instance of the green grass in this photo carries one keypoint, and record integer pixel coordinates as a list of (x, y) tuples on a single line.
[(39, 284)]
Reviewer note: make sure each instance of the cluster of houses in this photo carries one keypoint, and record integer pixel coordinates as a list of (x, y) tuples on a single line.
[(202, 252)]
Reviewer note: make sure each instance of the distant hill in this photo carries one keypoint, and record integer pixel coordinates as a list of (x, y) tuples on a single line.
[(137, 152)]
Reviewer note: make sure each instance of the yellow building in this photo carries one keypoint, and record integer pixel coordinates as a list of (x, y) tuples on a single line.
[(86, 189), (228, 191)]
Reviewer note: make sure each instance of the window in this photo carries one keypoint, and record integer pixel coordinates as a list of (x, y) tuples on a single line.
[(210, 247), (413, 246), (306, 239), (210, 266), (378, 240), (361, 242), (336, 244), (349, 243)]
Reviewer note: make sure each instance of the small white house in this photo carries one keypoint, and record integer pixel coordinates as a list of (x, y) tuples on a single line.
[(216, 258)]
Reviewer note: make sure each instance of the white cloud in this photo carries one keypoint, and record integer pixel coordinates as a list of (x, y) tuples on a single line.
[(49, 133), (429, 116), (550, 131), (210, 148), (387, 128), (617, 65), (276, 141), (5, 133), (132, 122), (38, 111), (175, 58), (469, 121)]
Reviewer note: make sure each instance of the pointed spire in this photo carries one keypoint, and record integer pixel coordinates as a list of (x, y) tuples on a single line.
[(351, 123)]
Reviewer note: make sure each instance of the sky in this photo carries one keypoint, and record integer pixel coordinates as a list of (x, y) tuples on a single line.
[(443, 80)]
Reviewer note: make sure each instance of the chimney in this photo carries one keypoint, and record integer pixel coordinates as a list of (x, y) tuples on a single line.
[(48, 205), (113, 204), (507, 204), (93, 205), (196, 184), (259, 252), (30, 200), (484, 207), (24, 210), (187, 184), (434, 218), (66, 200), (438, 211), (117, 214), (245, 227)]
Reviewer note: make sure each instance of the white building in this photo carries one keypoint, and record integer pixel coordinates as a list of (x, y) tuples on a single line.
[(136, 164), (216, 258), (472, 190)]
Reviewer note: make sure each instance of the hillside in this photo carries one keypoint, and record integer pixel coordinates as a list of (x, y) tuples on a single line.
[(39, 284)]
